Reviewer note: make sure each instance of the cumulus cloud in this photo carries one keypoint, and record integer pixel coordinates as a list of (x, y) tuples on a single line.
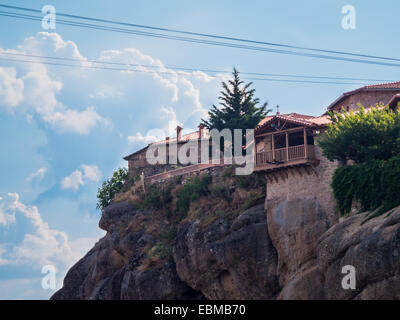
[(73, 181), (11, 88), (44, 246), (81, 176), (37, 89), (41, 246), (91, 172), (139, 138), (37, 175)]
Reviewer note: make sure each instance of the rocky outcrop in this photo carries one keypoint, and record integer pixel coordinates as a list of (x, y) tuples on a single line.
[(229, 261), (109, 270), (372, 248), (289, 252)]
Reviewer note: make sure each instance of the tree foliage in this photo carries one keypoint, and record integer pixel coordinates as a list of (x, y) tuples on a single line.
[(111, 187), (238, 108), (362, 136), (373, 184)]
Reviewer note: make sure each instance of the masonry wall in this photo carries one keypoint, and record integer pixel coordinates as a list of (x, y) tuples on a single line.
[(300, 183), (366, 98)]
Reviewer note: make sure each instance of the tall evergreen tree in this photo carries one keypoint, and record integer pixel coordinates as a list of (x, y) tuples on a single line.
[(238, 108)]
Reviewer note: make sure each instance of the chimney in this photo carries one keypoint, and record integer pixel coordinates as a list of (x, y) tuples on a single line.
[(201, 127), (178, 133)]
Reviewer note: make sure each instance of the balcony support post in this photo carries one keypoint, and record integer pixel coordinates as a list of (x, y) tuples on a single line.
[(287, 146), (305, 142), (273, 146)]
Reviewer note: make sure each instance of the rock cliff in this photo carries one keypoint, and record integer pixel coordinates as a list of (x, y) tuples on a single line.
[(286, 251)]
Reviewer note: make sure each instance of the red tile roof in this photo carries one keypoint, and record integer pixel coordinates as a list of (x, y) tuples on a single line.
[(390, 85), (379, 86)]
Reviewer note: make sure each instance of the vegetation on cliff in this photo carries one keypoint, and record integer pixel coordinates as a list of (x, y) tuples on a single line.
[(202, 198), (371, 141)]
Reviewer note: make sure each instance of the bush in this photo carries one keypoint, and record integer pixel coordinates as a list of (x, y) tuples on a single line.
[(111, 187), (192, 190), (251, 181), (220, 190), (374, 184), (158, 196), (362, 136), (163, 248)]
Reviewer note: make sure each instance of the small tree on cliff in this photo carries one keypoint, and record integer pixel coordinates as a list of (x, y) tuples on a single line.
[(111, 187), (238, 108)]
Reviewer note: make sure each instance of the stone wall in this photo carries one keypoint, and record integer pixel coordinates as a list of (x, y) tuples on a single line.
[(304, 183), (366, 98)]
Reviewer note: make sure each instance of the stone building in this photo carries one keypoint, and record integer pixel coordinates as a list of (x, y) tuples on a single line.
[(366, 96), (285, 151), (138, 163), (293, 164)]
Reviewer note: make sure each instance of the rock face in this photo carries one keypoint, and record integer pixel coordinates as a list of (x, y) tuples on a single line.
[(373, 249), (289, 252), (108, 271), (225, 261)]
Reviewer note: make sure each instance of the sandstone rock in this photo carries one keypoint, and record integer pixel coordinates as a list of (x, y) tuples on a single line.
[(372, 248), (294, 227), (229, 262)]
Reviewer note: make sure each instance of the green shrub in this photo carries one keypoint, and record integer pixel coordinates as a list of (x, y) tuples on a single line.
[(111, 187), (157, 196), (220, 190), (251, 181), (192, 190), (362, 136), (163, 248), (373, 184)]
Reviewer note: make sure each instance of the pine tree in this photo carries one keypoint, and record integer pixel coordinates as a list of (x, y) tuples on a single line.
[(238, 107)]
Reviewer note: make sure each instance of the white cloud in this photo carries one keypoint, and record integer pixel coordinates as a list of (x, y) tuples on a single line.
[(11, 88), (91, 172), (81, 176), (42, 246), (38, 175), (73, 181), (139, 138)]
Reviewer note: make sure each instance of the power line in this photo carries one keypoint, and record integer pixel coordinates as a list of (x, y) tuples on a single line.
[(206, 34), (209, 42), (191, 69), (171, 73)]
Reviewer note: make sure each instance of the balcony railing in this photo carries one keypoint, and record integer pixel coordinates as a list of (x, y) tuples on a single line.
[(284, 155)]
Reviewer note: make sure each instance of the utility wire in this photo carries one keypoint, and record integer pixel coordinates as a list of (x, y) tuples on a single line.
[(171, 73), (209, 42), (190, 69), (206, 34)]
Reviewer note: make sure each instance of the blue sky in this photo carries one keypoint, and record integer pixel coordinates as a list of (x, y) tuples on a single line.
[(64, 130)]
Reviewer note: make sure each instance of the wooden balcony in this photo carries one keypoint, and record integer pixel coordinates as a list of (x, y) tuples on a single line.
[(285, 157)]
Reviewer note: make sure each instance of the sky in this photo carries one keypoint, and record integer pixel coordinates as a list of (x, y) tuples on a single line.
[(63, 130)]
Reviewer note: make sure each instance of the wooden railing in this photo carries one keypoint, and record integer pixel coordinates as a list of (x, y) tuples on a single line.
[(284, 154)]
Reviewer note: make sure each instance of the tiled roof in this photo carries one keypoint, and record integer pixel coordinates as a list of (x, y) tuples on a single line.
[(390, 85), (379, 86), (301, 119)]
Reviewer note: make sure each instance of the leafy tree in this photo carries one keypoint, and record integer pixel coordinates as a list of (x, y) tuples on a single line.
[(111, 187), (372, 134), (238, 108)]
